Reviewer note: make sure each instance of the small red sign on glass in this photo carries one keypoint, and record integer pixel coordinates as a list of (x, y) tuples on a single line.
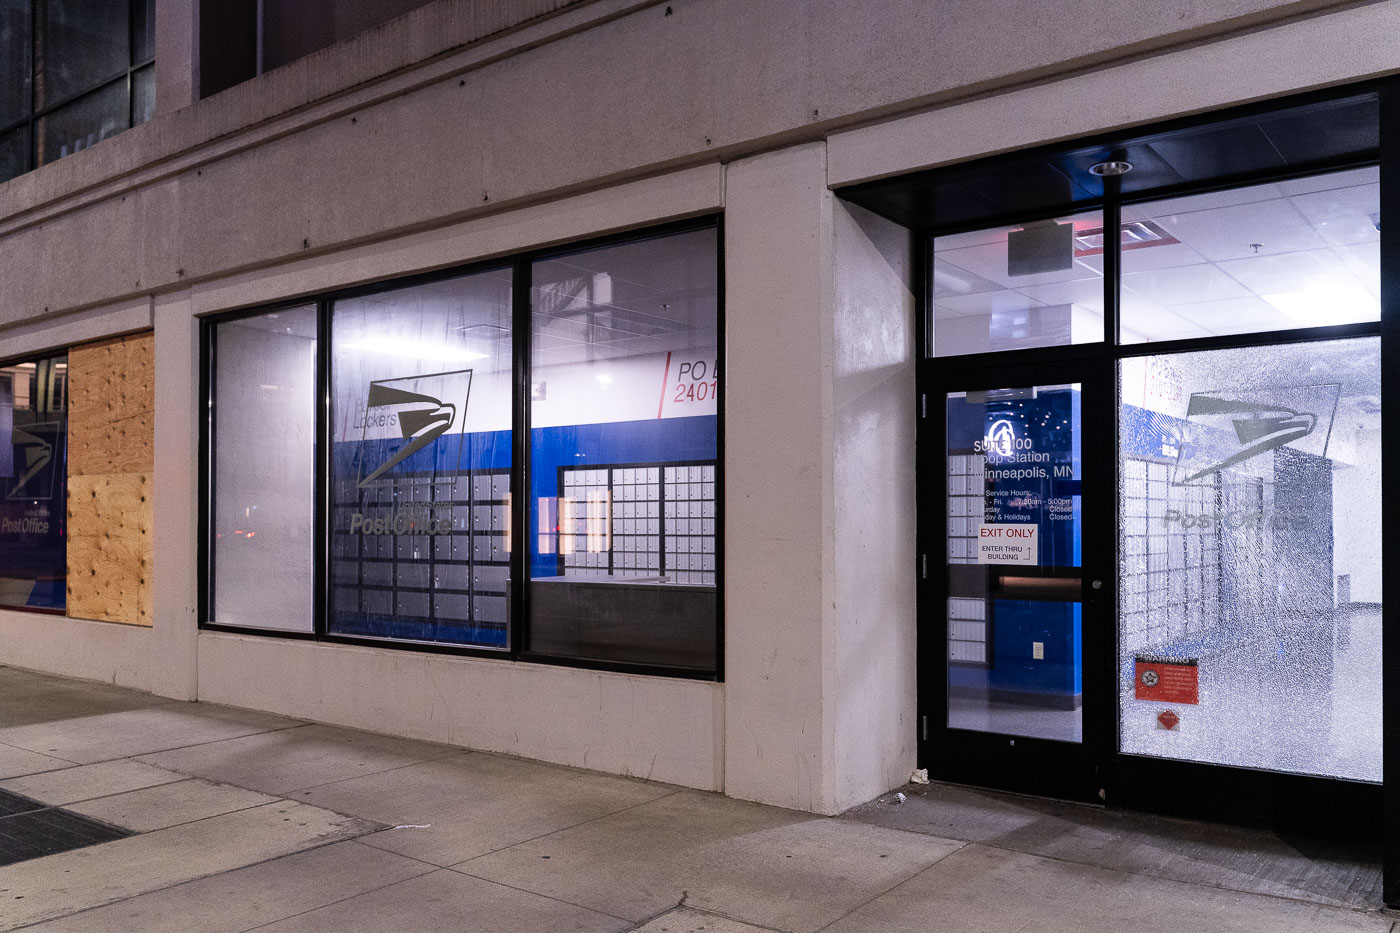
[(1167, 682), (1168, 719)]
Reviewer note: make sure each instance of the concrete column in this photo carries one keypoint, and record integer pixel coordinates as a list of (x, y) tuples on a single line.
[(175, 636), (779, 534), (819, 535), (873, 438)]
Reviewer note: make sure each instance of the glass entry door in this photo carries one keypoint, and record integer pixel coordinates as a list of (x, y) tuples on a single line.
[(1018, 595)]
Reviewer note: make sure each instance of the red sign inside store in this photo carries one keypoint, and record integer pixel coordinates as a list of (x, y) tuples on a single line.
[(1163, 682)]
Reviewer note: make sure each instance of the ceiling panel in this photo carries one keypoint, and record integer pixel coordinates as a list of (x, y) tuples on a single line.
[(1202, 282), (1256, 229)]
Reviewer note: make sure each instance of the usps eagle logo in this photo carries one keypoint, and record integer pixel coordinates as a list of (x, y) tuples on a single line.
[(421, 418), (1227, 429)]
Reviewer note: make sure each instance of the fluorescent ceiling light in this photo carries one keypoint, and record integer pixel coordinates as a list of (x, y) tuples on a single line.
[(604, 378), (1322, 306), (414, 350)]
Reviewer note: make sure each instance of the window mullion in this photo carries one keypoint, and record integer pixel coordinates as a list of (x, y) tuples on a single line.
[(518, 595)]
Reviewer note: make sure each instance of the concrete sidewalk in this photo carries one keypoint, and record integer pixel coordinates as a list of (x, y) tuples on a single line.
[(247, 821)]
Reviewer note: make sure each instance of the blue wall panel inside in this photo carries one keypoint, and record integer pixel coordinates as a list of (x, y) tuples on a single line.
[(574, 446), (1021, 486)]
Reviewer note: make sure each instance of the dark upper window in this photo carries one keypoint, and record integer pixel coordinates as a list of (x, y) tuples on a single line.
[(72, 73), (241, 39)]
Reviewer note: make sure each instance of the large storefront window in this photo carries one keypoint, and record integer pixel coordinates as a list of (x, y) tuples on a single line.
[(33, 483), (1250, 557), (420, 462), (623, 454), (264, 387), (406, 478)]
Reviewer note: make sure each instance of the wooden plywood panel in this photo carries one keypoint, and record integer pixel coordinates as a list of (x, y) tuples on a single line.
[(111, 406), (109, 547)]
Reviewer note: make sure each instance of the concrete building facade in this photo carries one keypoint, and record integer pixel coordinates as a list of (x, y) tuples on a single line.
[(467, 131)]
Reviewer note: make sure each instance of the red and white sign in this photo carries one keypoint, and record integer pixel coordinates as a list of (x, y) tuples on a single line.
[(1008, 544), (1168, 719), (1164, 682), (689, 385)]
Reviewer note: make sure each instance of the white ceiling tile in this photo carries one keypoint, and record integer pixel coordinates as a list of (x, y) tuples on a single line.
[(1144, 258), (981, 303), (956, 241), (1163, 326), (1233, 232), (1308, 270), (1087, 293), (990, 262), (1364, 262), (1234, 315), (1204, 282), (952, 279), (1343, 216), (1154, 210)]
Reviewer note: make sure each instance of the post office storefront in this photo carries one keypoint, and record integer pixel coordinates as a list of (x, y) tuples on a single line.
[(1153, 495)]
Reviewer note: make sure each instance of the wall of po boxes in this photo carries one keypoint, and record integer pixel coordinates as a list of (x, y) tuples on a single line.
[(111, 439)]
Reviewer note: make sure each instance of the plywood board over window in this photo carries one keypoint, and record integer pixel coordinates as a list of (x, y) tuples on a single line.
[(110, 463)]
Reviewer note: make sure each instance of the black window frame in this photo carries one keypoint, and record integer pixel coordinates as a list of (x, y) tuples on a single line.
[(126, 76), (520, 265)]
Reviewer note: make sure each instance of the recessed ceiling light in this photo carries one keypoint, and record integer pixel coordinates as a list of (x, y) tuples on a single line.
[(1327, 303), (1110, 168)]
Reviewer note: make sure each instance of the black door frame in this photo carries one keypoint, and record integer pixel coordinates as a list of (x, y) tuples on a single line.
[(1072, 771), (1287, 802)]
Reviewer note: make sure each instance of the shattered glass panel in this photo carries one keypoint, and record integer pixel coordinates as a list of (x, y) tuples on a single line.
[(1250, 558)]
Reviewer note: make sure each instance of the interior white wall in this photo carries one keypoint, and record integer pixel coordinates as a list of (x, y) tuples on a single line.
[(264, 471)]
